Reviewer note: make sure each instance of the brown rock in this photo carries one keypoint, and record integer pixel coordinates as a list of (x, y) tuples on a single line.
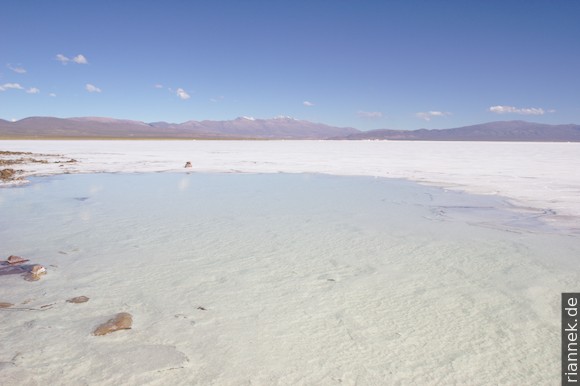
[(121, 321), (12, 260), (7, 174), (188, 164), (78, 299), (36, 272), (5, 305)]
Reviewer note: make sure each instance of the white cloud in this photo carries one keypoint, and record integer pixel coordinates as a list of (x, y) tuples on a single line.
[(14, 86), (515, 110), (428, 115), (182, 94), (63, 59), (308, 104), (18, 70), (369, 114), (80, 59), (17, 86), (52, 95), (92, 88)]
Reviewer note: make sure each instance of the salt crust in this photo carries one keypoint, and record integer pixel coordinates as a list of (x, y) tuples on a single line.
[(401, 303), (540, 175)]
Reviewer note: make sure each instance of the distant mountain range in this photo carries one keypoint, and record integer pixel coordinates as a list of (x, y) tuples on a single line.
[(239, 128), (492, 131), (276, 128)]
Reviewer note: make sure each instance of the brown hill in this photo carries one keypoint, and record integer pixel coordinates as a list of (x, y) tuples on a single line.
[(276, 128), (493, 131), (96, 127)]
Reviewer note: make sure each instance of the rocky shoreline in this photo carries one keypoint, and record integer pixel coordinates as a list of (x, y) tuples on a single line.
[(16, 165)]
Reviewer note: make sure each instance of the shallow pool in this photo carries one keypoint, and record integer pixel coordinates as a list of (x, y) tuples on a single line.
[(279, 279)]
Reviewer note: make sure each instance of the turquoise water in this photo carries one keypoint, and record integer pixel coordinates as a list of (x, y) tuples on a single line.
[(287, 278)]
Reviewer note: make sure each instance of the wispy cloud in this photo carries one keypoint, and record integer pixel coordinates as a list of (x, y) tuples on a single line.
[(369, 114), (182, 94), (308, 104), (13, 86), (515, 110), (18, 86), (18, 70), (158, 85), (218, 99), (61, 58), (79, 59), (92, 88), (428, 115), (52, 95)]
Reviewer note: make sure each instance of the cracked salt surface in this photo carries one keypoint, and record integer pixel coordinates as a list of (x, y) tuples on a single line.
[(280, 279)]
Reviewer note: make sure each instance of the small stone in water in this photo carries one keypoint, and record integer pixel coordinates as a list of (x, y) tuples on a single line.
[(36, 272), (121, 321), (78, 299)]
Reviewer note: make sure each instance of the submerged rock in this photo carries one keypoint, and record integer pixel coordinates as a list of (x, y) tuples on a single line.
[(78, 299), (121, 321)]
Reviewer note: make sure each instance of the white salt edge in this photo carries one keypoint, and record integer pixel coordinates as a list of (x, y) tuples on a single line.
[(540, 175)]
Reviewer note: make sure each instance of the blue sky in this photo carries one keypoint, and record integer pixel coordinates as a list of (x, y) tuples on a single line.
[(364, 64)]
